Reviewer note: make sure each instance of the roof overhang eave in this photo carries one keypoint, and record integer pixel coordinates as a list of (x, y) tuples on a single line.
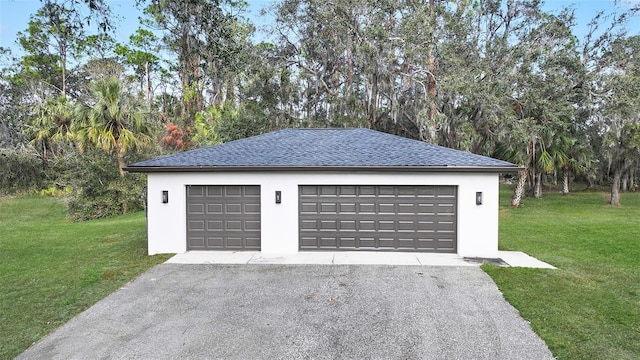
[(171, 169)]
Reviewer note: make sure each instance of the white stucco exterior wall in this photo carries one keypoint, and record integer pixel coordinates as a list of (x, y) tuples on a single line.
[(477, 224)]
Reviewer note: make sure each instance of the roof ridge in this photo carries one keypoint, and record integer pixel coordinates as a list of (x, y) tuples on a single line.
[(329, 128)]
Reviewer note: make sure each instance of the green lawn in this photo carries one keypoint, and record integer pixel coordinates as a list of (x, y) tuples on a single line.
[(590, 307), (51, 269)]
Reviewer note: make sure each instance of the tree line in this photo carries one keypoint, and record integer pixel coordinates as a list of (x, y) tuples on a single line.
[(498, 78)]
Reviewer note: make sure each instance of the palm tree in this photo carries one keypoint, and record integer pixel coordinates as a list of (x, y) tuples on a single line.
[(51, 126), (115, 123), (512, 151)]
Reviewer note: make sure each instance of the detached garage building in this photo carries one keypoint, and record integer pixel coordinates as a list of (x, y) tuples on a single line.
[(324, 189)]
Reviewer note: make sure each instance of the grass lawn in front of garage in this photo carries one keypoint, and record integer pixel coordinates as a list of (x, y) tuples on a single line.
[(51, 269), (589, 308)]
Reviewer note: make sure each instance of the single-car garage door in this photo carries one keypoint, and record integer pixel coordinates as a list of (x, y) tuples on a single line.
[(223, 217), (402, 218)]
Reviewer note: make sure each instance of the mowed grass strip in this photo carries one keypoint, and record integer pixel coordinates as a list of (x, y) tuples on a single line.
[(52, 269), (590, 307)]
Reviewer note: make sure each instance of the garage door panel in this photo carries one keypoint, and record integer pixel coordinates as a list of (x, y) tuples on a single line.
[(406, 225), (197, 192), (426, 209), (425, 226), (347, 208), (386, 242), (328, 208), (233, 225), (366, 191), (210, 191), (232, 191), (386, 208), (367, 208), (445, 191), (309, 242), (347, 191), (214, 209), (329, 225), (404, 208), (234, 242), (328, 242), (252, 225), (198, 242), (252, 242), (444, 227), (366, 225), (214, 242), (386, 191), (310, 208), (365, 242), (251, 191), (426, 191), (407, 218), (196, 225), (215, 225), (234, 208), (231, 219), (386, 225), (347, 225), (307, 191), (444, 243), (196, 208), (252, 208), (444, 208), (328, 191), (347, 243), (407, 191), (406, 243), (309, 224)]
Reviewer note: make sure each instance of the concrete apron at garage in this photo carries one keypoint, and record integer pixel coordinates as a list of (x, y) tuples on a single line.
[(506, 258)]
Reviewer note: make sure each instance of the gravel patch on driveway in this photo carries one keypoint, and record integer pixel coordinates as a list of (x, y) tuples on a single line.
[(299, 312)]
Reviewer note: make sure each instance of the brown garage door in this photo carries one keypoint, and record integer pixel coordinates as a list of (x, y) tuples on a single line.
[(223, 217), (401, 218)]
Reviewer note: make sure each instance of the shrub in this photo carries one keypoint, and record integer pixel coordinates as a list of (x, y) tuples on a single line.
[(20, 170), (54, 190), (99, 191)]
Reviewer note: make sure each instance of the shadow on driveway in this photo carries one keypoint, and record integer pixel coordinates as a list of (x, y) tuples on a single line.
[(299, 312)]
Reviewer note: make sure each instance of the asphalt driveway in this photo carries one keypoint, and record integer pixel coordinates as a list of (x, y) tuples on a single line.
[(299, 312)]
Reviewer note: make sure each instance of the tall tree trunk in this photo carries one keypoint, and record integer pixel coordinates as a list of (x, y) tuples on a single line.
[(518, 192), (373, 101), (615, 188), (63, 63), (565, 180), (148, 85), (349, 89), (590, 183), (230, 94), (431, 81), (537, 187), (120, 159), (625, 182), (64, 82)]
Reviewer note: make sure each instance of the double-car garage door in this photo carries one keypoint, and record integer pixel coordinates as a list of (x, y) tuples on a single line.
[(331, 217), (403, 218)]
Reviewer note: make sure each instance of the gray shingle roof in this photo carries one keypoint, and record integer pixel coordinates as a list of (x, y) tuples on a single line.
[(322, 148)]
